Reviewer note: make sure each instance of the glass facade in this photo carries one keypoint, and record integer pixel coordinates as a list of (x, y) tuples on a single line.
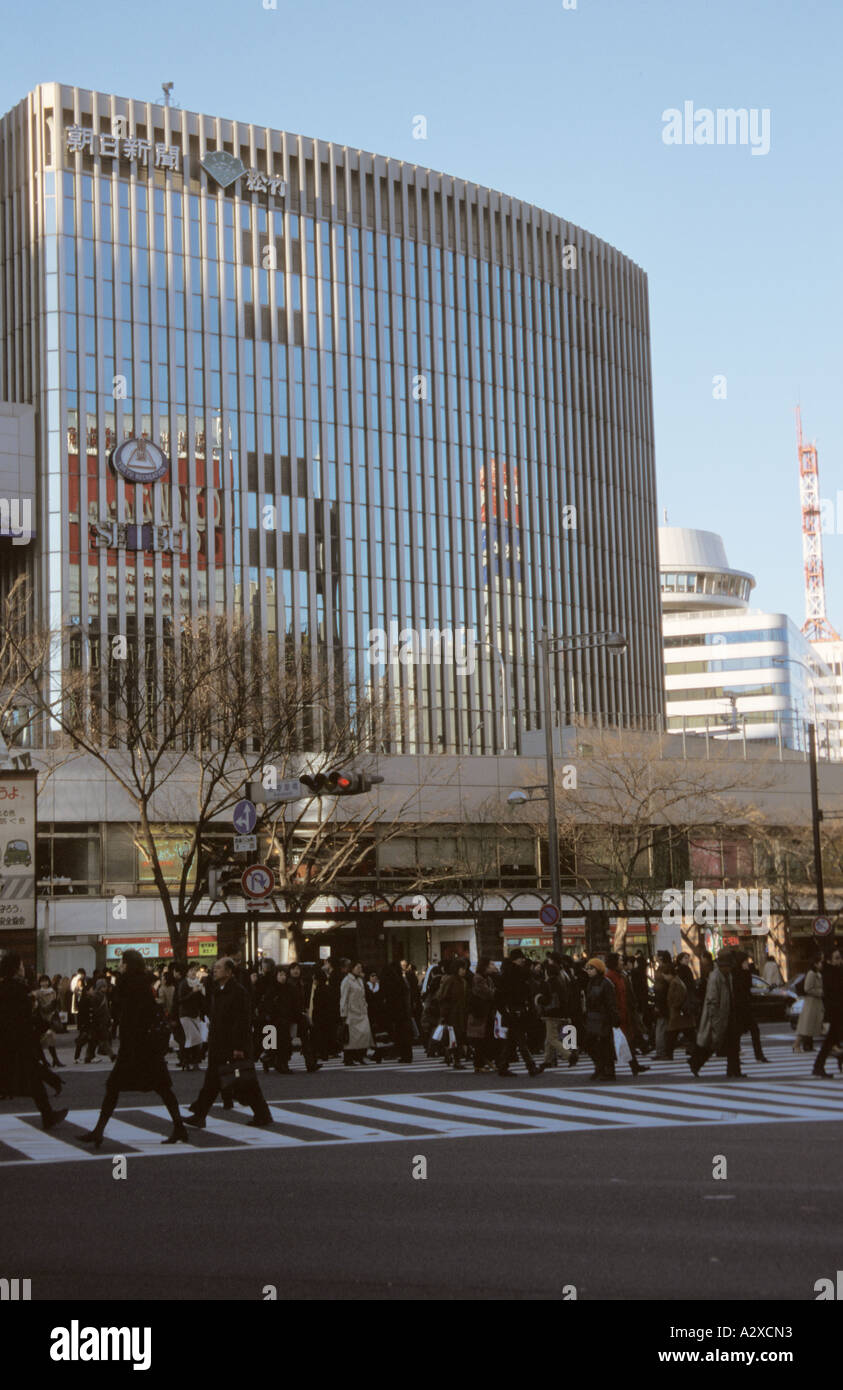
[(392, 403)]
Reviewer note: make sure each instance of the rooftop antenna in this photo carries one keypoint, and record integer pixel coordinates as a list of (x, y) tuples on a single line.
[(166, 88)]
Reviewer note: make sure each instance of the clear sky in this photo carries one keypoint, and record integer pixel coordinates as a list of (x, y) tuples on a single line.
[(563, 107)]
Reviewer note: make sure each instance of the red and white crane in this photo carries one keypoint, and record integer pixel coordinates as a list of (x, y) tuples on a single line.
[(816, 626)]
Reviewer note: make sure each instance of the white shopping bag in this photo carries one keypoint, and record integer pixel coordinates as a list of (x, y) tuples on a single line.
[(500, 1031), (622, 1052)]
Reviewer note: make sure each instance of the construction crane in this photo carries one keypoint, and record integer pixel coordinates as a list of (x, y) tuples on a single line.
[(816, 626)]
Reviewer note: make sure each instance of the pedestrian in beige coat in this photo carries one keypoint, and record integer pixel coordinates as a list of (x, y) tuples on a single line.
[(810, 1023), (355, 1015)]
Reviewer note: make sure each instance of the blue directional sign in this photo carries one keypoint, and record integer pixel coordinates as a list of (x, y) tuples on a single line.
[(245, 817)]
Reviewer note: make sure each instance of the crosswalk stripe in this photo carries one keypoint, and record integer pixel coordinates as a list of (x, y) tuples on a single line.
[(40, 1145), (399, 1116), (249, 1138), (336, 1128), (534, 1114), (602, 1106)]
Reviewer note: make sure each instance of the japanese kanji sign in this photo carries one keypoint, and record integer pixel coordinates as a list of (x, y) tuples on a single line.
[(82, 140), (17, 851)]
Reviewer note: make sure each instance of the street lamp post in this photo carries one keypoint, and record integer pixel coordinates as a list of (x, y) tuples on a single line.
[(577, 642), (816, 813)]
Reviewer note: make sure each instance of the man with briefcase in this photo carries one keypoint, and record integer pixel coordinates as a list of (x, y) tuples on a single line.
[(230, 1065)]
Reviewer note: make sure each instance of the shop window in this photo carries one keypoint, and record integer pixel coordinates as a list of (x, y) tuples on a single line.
[(68, 859)]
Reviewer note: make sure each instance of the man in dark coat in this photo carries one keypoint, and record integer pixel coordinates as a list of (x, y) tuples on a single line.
[(746, 1021), (229, 1040), (833, 999), (325, 1010), (20, 1054), (513, 1000), (409, 973), (601, 1016), (299, 995), (398, 1008), (719, 1030)]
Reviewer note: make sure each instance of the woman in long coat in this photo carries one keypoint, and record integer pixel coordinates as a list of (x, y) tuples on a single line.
[(355, 1015), (810, 1023), (453, 995), (141, 1061), (480, 1019)]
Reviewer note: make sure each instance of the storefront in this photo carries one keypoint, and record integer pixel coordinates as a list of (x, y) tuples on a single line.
[(158, 949)]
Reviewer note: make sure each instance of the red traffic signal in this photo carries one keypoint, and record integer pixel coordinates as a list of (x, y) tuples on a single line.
[(340, 782)]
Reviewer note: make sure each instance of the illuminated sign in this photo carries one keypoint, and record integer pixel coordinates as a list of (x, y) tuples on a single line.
[(140, 461), (158, 947)]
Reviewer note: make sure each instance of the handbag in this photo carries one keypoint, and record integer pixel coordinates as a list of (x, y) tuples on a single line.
[(158, 1033), (233, 1074), (622, 1052), (501, 1031)]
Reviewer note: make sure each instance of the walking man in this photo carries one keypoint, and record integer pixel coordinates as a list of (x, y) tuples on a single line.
[(833, 996), (513, 999), (229, 1040), (719, 1030)]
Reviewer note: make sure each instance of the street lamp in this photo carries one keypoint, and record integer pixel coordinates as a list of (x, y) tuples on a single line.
[(816, 813), (615, 642)]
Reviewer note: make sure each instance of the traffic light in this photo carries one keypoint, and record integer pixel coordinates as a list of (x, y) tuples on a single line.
[(339, 782), (224, 879)]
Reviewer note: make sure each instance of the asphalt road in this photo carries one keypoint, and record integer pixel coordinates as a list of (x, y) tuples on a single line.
[(632, 1213)]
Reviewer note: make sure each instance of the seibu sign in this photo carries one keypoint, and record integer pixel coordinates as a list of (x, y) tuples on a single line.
[(124, 535)]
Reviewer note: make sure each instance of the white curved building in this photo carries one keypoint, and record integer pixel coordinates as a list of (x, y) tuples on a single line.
[(731, 670)]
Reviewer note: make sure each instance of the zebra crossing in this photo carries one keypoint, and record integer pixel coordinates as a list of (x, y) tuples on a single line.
[(779, 1049), (453, 1114)]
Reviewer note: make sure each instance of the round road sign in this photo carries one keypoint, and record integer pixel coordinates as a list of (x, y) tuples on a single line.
[(822, 926), (245, 817), (549, 915), (258, 881)]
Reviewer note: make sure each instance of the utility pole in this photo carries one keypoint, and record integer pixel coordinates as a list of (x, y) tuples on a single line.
[(816, 817)]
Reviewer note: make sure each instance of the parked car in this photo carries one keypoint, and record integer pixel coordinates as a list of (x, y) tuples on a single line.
[(769, 1002), (17, 852)]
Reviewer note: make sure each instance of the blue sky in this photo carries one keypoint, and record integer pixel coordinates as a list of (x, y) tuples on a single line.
[(563, 107)]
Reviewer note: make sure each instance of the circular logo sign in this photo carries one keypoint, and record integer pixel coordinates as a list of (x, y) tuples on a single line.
[(549, 915), (258, 881), (822, 926), (140, 461)]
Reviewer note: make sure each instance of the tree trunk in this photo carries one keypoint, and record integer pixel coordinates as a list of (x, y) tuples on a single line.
[(295, 940)]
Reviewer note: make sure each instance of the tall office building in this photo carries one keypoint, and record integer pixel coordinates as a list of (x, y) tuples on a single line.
[(333, 391)]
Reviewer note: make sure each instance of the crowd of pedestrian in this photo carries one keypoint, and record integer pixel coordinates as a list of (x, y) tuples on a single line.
[(236, 1018)]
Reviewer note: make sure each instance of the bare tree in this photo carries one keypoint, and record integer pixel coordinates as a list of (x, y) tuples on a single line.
[(626, 815), (182, 729)]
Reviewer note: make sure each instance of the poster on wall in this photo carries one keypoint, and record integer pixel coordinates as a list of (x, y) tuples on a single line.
[(17, 851)]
